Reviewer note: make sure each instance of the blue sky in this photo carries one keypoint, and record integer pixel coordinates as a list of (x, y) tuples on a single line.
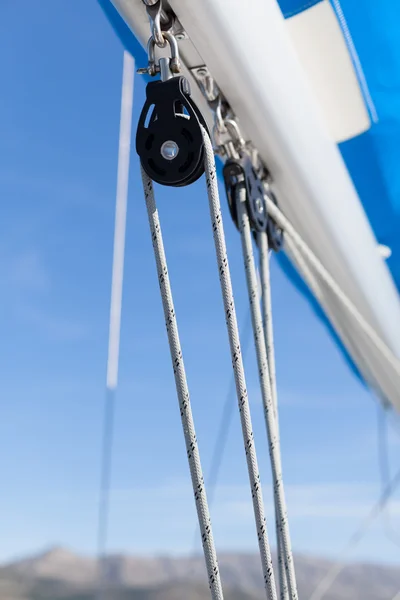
[(61, 68)]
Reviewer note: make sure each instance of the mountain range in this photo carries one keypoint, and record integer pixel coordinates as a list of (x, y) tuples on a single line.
[(59, 574)]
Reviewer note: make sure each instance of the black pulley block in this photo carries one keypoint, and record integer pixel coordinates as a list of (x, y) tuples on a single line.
[(169, 140), (238, 171)]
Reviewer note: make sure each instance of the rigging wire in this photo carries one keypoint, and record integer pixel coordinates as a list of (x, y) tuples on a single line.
[(356, 537), (389, 487), (270, 410), (384, 468), (237, 363), (115, 313)]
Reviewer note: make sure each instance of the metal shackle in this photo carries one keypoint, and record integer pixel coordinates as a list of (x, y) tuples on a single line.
[(235, 143), (234, 131), (175, 64)]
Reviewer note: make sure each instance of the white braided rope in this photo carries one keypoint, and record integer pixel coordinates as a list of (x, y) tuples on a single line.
[(283, 583), (183, 394), (262, 242), (266, 392), (237, 363), (327, 278)]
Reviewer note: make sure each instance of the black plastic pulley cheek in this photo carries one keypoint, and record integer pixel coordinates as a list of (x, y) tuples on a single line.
[(169, 140), (233, 173), (241, 169), (274, 233), (255, 197)]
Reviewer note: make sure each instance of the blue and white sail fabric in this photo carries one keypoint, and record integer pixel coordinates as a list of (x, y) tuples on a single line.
[(350, 54)]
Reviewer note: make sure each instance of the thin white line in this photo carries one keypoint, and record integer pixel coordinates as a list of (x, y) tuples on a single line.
[(120, 219), (356, 60)]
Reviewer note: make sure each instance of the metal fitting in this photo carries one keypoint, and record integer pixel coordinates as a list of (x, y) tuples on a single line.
[(174, 62)]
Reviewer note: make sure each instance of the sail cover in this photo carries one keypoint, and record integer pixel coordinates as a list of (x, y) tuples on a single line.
[(351, 57)]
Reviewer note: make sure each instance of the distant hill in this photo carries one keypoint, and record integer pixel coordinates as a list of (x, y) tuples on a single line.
[(59, 574)]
